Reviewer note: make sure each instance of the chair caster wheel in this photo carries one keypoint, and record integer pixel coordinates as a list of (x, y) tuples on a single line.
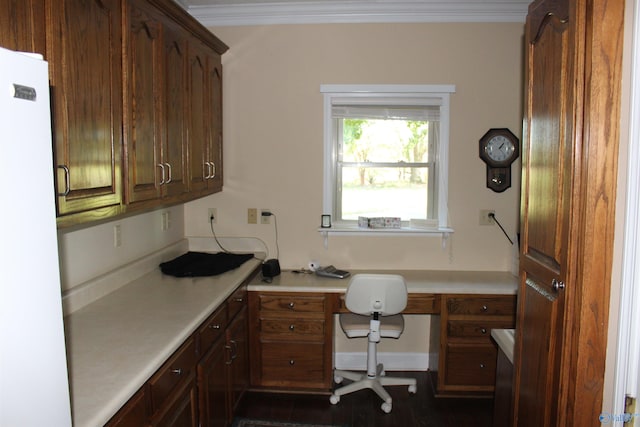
[(338, 379), (413, 389), (334, 399), (386, 407)]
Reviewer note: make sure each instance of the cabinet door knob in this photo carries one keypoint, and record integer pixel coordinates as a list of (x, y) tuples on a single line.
[(161, 166), (168, 165), (557, 285), (483, 330), (67, 181), (292, 362), (291, 305), (291, 327), (482, 366), (484, 308)]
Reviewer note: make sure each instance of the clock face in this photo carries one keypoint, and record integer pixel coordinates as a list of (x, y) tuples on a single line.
[(499, 148)]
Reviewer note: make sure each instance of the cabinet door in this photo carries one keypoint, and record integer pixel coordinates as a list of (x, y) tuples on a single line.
[(133, 414), (238, 358), (22, 25), (85, 65), (205, 119), (199, 166), (212, 386), (146, 170), (181, 410), (214, 131), (174, 151)]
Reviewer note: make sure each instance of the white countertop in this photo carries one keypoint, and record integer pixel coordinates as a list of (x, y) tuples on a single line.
[(418, 281), (505, 338), (117, 342)]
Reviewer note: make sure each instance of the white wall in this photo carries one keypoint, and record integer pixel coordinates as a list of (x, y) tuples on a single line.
[(90, 252), (273, 135)]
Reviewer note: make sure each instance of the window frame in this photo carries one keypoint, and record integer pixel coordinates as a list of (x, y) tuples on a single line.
[(396, 95)]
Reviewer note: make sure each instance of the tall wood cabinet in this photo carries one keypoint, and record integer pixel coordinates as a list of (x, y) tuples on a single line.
[(569, 159), (22, 25)]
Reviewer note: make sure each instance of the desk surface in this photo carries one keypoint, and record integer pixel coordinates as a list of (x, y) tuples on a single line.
[(418, 281)]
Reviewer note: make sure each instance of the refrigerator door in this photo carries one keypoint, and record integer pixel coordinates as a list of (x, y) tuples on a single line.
[(34, 388)]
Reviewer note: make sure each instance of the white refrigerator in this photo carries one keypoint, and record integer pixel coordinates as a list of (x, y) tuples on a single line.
[(34, 387)]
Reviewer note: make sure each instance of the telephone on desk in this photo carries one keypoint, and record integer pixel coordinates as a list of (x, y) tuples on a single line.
[(331, 271)]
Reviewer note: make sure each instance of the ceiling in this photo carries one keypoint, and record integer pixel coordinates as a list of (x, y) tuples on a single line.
[(213, 13)]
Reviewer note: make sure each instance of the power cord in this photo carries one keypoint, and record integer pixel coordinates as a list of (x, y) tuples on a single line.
[(493, 216), (275, 224), (212, 218)]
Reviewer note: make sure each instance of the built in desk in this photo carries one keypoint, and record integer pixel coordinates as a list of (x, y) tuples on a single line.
[(291, 326)]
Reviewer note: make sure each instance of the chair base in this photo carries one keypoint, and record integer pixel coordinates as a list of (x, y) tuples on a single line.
[(376, 383)]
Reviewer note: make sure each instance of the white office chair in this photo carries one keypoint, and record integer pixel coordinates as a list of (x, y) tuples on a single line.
[(374, 301)]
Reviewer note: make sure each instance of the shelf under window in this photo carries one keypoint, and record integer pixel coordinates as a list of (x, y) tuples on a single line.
[(340, 230)]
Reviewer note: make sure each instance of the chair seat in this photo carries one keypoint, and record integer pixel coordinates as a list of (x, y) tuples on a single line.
[(356, 325)]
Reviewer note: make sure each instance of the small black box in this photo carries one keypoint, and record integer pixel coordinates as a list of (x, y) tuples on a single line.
[(271, 268)]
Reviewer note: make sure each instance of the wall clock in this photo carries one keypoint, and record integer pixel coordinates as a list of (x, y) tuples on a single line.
[(499, 147)]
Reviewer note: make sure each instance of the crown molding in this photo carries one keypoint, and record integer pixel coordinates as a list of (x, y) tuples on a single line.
[(387, 11)]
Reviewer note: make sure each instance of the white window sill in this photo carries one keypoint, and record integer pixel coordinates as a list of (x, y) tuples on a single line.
[(341, 230)]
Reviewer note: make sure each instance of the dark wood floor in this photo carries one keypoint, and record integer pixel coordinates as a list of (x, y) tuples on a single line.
[(362, 409)]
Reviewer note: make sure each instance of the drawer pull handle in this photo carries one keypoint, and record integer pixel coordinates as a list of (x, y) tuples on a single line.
[(176, 371), (484, 308), (291, 327), (483, 330), (238, 299), (214, 326), (292, 362), (291, 305), (482, 366)]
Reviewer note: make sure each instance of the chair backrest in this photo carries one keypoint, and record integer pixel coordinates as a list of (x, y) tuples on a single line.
[(382, 293)]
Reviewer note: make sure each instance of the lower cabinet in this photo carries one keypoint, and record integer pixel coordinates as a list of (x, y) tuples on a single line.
[(291, 336), (202, 382), (467, 361)]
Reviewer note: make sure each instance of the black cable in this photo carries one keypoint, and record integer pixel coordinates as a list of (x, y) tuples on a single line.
[(493, 216)]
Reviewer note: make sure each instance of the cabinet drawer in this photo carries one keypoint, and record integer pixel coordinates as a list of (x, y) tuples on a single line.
[(177, 369), (292, 329), (292, 362), (471, 365), (422, 304), (236, 301), (494, 305), (212, 329), (476, 328), (298, 304)]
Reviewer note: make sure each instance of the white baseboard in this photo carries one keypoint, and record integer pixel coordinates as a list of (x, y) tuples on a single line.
[(392, 361)]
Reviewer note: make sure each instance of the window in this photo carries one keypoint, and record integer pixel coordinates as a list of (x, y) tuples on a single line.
[(386, 154)]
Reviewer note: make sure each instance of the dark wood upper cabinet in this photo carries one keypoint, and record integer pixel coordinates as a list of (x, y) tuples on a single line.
[(136, 89), (84, 46)]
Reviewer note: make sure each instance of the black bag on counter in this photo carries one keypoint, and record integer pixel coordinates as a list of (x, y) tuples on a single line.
[(197, 264)]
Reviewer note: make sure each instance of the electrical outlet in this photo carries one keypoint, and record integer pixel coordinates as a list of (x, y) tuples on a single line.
[(117, 236), (165, 221), (265, 219), (212, 213), (485, 219), (252, 216)]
